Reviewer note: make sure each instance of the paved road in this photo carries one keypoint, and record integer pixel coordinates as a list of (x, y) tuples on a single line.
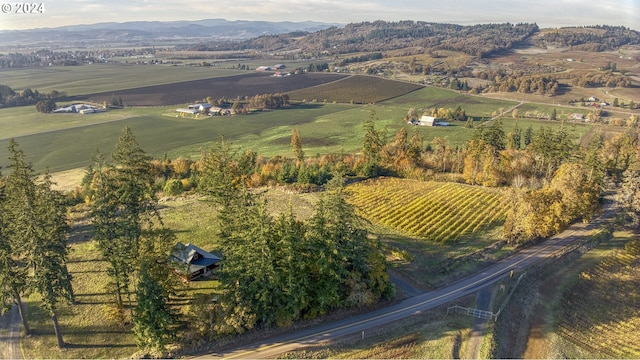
[(414, 305), (10, 335)]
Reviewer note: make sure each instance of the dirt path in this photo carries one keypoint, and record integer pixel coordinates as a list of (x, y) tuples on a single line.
[(10, 335), (483, 302)]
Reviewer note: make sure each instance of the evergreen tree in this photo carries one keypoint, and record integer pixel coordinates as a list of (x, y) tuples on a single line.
[(244, 240), (296, 145), (345, 266), (619, 152), (37, 229), (517, 136), (592, 158), (123, 207), (289, 244), (528, 136), (12, 275), (103, 207), (550, 149), (153, 319), (49, 255), (372, 145), (492, 135)]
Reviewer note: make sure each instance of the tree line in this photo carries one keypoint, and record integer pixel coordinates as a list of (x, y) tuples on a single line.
[(279, 270), (33, 241), (10, 98)]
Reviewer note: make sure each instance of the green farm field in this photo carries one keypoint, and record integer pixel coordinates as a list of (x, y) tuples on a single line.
[(87, 79), (66, 141)]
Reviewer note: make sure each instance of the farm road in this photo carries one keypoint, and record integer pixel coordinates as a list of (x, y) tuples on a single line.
[(10, 335), (417, 304)]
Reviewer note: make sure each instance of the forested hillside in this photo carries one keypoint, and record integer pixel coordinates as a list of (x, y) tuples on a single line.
[(596, 38), (477, 40)]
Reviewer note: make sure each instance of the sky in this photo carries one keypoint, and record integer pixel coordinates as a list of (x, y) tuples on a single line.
[(546, 13)]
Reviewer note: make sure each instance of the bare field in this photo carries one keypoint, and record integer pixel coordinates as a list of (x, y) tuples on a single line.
[(357, 89), (228, 87)]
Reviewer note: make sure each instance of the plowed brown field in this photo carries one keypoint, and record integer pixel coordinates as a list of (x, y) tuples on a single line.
[(229, 87)]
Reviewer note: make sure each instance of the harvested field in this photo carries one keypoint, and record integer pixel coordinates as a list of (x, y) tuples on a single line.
[(228, 87), (357, 89)]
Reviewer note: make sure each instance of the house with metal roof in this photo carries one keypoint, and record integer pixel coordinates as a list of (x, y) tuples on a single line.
[(192, 262)]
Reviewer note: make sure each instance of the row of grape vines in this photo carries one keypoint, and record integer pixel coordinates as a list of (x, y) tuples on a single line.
[(436, 211), (601, 312)]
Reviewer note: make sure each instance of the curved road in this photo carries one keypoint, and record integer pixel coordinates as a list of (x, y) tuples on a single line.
[(415, 305)]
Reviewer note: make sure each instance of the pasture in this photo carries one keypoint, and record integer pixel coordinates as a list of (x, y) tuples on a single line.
[(67, 141), (95, 78)]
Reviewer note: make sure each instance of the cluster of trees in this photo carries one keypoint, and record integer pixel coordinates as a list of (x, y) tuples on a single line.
[(360, 58), (280, 270), (527, 84), (46, 106), (129, 233), (269, 101), (486, 39), (9, 97), (602, 79), (320, 67), (33, 241), (593, 38), (457, 114)]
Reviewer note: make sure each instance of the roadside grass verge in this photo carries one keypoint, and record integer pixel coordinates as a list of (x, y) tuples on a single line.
[(428, 335)]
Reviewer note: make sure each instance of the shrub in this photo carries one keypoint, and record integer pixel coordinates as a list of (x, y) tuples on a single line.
[(173, 187)]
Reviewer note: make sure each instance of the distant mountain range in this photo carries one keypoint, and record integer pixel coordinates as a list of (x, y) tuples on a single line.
[(155, 32)]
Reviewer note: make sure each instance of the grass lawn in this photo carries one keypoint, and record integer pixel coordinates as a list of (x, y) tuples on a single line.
[(84, 325)]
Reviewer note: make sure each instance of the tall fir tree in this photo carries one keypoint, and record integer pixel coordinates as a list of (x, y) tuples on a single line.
[(123, 208), (37, 229), (296, 145), (153, 318), (12, 275)]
